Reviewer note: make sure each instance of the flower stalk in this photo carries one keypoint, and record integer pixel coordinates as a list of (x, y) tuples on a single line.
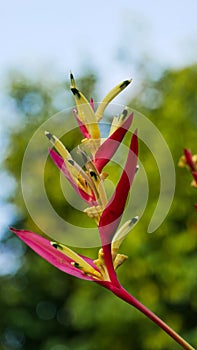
[(124, 295)]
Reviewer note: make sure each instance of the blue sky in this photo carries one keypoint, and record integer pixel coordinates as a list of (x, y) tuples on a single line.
[(113, 38), (109, 36)]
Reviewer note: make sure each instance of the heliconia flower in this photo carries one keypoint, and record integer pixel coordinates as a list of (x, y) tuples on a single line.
[(72, 263), (190, 161), (79, 266), (89, 184)]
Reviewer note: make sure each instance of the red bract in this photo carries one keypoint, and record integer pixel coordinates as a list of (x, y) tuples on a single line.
[(43, 247), (82, 126), (110, 145), (111, 215)]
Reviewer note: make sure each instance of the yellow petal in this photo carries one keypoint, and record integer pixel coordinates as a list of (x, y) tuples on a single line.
[(109, 97), (76, 172), (182, 162), (58, 145), (121, 234), (119, 260), (83, 265), (194, 184), (117, 121)]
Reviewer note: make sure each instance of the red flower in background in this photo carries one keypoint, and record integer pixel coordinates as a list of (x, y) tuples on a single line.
[(190, 161)]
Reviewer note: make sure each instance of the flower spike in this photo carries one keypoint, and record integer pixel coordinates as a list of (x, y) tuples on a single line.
[(88, 181)]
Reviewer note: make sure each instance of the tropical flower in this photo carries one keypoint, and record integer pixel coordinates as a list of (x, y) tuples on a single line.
[(89, 184), (190, 161)]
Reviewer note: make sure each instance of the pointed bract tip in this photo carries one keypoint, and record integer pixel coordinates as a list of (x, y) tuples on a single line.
[(72, 81), (12, 229), (136, 132), (137, 168)]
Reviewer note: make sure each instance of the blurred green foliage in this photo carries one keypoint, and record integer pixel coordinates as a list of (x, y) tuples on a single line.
[(45, 309)]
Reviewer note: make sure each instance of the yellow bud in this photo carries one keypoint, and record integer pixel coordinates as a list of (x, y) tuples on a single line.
[(119, 260)]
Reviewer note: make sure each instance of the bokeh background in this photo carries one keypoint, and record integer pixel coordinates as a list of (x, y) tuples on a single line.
[(103, 43)]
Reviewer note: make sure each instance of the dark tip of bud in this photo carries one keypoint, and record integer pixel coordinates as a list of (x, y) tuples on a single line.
[(70, 161), (75, 264), (134, 220), (125, 84), (83, 153), (49, 136), (124, 113), (75, 92), (55, 245), (71, 76), (137, 168), (93, 174)]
